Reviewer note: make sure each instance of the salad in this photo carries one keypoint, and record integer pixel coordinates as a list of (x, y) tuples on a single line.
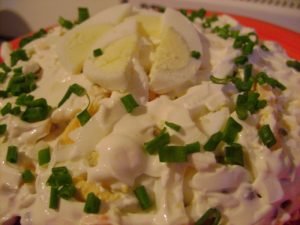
[(148, 117)]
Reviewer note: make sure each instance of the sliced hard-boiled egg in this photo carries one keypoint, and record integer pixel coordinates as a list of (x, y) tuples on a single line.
[(75, 45), (112, 70), (174, 67), (150, 24)]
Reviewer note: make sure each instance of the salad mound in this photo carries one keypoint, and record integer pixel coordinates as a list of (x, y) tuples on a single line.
[(143, 117)]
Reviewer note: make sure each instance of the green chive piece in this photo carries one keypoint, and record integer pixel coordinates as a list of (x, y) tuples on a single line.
[(65, 23), (92, 204), (240, 60), (83, 14), (16, 110), (293, 64), (54, 198), (265, 48), (240, 41), (172, 154), (20, 83), (84, 117), (5, 68), (247, 71), (243, 85), (157, 143), (3, 128), (38, 110), (232, 128), (73, 89), (263, 78), (129, 103), (3, 94), (6, 109), (12, 154), (266, 136), (37, 35), (17, 55), (234, 154), (60, 176), (211, 217), (183, 12), (98, 52), (67, 191), (213, 141), (173, 126), (27, 176), (44, 156), (241, 106), (24, 100), (3, 77), (195, 54), (217, 80), (247, 49), (192, 147), (143, 197)]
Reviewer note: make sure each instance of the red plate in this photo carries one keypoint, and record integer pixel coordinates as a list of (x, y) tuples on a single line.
[(288, 39)]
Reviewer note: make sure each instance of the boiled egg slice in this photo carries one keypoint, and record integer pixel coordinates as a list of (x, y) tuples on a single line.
[(74, 46), (173, 66), (112, 70)]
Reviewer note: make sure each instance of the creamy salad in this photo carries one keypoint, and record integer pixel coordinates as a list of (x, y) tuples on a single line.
[(144, 117)]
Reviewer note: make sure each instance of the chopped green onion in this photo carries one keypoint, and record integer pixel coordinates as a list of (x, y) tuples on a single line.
[(213, 141), (143, 197), (24, 99), (211, 217), (3, 94), (243, 85), (252, 102), (44, 156), (98, 52), (157, 143), (293, 64), (265, 48), (172, 154), (247, 71), (248, 48), (18, 71), (83, 14), (17, 55), (240, 41), (234, 154), (54, 198), (263, 78), (84, 117), (217, 80), (173, 126), (60, 176), (195, 54), (12, 154), (3, 128), (67, 191), (73, 89), (19, 84), (209, 20), (266, 136), (232, 128), (33, 37), (3, 77), (65, 23), (5, 68), (38, 110), (27, 176), (240, 60), (92, 204), (241, 106), (129, 103), (192, 147), (255, 41), (196, 14), (6, 109), (16, 111)]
